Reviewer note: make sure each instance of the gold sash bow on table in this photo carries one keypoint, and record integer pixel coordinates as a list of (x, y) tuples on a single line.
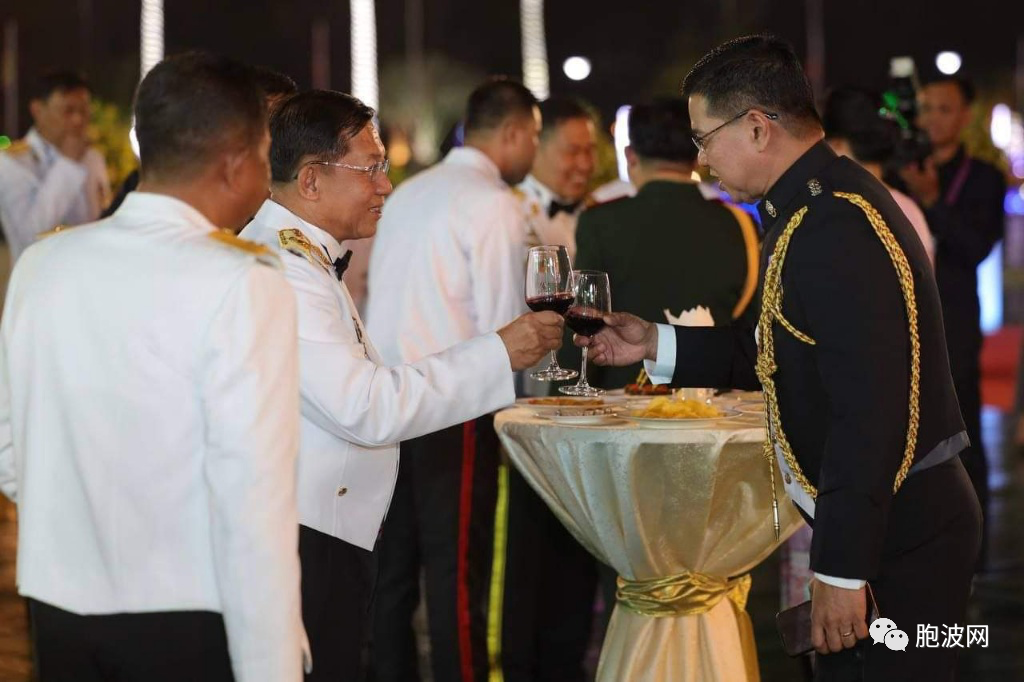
[(691, 594)]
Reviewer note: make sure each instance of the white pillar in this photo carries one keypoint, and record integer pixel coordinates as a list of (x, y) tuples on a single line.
[(364, 52), (535, 49), (152, 34)]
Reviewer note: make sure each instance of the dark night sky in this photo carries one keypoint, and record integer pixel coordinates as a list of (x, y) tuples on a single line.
[(638, 48)]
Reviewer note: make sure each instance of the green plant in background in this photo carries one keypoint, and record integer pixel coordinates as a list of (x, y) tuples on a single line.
[(109, 131)]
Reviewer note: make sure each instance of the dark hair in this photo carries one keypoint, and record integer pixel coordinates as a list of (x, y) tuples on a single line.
[(661, 130), (966, 87), (56, 81), (274, 83), (316, 123), (759, 71), (193, 106), (853, 114), (496, 100), (558, 110)]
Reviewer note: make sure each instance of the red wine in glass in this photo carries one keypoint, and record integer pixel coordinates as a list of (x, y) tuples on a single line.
[(559, 303), (549, 288), (593, 300), (585, 322)]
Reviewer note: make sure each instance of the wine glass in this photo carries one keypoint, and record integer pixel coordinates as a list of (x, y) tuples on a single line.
[(549, 287), (592, 301)]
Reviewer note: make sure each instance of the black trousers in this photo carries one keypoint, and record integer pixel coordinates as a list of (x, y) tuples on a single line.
[(338, 581), (129, 647), (967, 381), (549, 586), (930, 552), (441, 520)]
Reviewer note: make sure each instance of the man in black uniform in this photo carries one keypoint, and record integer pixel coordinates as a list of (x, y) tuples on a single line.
[(962, 198), (707, 251), (851, 354)]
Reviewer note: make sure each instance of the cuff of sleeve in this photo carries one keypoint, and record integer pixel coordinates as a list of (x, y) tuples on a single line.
[(506, 386), (660, 371), (845, 583), (849, 528)]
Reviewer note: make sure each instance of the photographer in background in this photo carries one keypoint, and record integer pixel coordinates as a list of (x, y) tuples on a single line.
[(962, 198), (854, 128)]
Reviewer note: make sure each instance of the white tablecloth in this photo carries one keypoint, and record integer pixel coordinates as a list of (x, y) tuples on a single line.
[(655, 503)]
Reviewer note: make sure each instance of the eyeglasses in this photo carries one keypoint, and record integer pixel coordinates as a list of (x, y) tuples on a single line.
[(374, 171), (701, 141)]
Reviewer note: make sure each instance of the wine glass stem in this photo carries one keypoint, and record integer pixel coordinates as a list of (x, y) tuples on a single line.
[(583, 371), (553, 365)]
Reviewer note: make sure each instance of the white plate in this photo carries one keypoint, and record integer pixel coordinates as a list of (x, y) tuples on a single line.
[(749, 408), (583, 420), (665, 423), (551, 409)]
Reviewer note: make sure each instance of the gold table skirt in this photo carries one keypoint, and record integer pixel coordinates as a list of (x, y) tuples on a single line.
[(655, 504)]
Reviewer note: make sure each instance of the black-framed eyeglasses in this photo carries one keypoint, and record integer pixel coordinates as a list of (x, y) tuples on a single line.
[(701, 141), (374, 171)]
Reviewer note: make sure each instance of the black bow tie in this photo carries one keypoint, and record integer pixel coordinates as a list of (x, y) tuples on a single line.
[(555, 206), (341, 264)]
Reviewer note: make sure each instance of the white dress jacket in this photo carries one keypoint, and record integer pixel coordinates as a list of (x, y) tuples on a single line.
[(149, 428), (355, 409)]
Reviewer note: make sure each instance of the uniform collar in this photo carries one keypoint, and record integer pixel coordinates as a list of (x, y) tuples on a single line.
[(45, 151), (666, 186), (472, 157), (542, 192), (148, 207), (793, 184), (278, 217)]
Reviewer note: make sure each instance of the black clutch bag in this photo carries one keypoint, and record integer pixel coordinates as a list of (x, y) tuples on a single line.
[(795, 625), (795, 629)]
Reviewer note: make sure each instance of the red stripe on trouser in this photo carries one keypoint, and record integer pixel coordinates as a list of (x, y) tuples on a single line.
[(465, 511)]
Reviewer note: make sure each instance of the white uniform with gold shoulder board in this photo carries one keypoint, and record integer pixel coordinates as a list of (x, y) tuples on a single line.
[(40, 189), (149, 427), (355, 408)]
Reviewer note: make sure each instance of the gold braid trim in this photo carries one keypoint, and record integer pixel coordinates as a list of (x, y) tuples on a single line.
[(772, 312)]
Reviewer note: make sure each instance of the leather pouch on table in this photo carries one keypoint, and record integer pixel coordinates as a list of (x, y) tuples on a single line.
[(795, 629)]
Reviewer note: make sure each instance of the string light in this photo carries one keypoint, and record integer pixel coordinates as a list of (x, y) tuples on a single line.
[(535, 51), (152, 30), (364, 52)]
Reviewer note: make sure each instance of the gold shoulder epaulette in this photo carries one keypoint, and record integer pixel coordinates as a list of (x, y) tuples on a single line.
[(56, 230), (293, 241), (19, 147), (262, 253)]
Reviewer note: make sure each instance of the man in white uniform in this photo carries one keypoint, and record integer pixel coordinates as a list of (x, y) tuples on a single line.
[(53, 176), (552, 194), (149, 411), (329, 184), (447, 265)]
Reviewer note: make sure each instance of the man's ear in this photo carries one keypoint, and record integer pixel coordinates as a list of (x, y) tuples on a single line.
[(232, 168), (307, 184), (761, 131), (509, 131)]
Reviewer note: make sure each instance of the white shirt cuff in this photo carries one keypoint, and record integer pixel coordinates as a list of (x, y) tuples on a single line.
[(664, 366), (845, 583)]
